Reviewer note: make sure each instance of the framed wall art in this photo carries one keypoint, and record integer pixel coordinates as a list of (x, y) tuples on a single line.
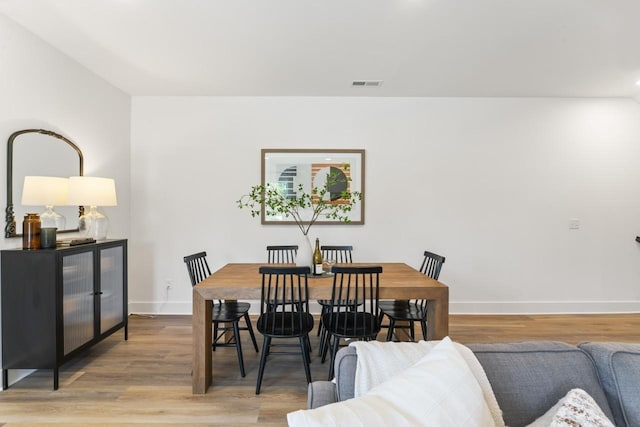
[(326, 173)]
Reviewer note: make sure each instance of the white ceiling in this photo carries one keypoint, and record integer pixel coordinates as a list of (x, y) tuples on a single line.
[(318, 47)]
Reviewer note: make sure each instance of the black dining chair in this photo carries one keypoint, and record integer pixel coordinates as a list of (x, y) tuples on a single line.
[(284, 313), (331, 255), (223, 312), (353, 321), (412, 311), (282, 254)]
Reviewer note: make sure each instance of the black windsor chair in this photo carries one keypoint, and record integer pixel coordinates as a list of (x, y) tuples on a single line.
[(414, 310), (222, 312), (356, 320), (284, 312), (331, 254)]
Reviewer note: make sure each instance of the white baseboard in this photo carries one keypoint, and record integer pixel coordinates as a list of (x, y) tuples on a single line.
[(543, 307), (455, 307), (164, 307)]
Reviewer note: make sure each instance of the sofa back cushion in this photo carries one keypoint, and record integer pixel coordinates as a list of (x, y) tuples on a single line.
[(528, 378), (618, 365)]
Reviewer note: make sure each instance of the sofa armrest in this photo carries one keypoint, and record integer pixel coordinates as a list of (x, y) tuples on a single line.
[(321, 393)]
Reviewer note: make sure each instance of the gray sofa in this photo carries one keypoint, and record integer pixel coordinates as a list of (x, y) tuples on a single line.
[(528, 378)]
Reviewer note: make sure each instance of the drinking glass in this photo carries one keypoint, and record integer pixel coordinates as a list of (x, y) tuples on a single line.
[(328, 266)]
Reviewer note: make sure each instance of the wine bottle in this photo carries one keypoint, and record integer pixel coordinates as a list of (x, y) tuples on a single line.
[(317, 259)]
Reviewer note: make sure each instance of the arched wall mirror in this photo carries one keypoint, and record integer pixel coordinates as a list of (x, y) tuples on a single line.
[(39, 152)]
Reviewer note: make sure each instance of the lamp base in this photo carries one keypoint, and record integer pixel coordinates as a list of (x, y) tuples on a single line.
[(51, 218), (94, 224)]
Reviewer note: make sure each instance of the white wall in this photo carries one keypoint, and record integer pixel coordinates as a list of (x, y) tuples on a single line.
[(42, 88), (489, 183)]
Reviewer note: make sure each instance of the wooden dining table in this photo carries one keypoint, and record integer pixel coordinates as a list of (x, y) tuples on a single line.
[(243, 282)]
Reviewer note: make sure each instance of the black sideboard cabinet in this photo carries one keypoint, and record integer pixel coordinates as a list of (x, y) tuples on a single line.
[(58, 302)]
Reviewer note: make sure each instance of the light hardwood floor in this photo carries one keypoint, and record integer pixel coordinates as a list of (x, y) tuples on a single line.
[(146, 380)]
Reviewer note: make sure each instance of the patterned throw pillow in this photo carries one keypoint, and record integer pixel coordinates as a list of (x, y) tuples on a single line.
[(576, 409)]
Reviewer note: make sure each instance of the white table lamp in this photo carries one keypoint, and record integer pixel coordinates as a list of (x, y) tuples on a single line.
[(48, 191), (93, 192)]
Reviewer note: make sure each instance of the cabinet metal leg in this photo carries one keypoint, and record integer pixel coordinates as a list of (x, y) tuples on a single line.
[(5, 379), (55, 378)]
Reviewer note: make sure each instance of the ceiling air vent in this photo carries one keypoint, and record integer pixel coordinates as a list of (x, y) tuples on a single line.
[(368, 83)]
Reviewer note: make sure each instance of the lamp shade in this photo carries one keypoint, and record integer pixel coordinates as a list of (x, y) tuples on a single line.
[(44, 191), (91, 191)]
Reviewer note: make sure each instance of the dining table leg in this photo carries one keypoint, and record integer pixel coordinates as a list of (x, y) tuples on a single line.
[(202, 357), (438, 315)]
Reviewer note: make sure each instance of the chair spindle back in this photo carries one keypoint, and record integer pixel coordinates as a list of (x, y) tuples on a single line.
[(339, 254), (432, 264), (282, 254), (197, 267)]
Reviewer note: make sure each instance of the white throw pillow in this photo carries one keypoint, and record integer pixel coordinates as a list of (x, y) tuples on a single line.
[(576, 408), (439, 390)]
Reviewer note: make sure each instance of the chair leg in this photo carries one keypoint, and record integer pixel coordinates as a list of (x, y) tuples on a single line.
[(215, 336), (423, 323), (336, 344), (309, 349), (323, 344), (236, 336), (380, 319), (250, 329), (413, 332), (392, 324), (323, 339), (320, 322), (263, 361), (304, 346)]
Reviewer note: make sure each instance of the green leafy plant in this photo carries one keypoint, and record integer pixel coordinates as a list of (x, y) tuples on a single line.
[(304, 207)]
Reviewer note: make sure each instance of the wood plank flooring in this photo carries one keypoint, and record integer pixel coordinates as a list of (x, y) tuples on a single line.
[(147, 379)]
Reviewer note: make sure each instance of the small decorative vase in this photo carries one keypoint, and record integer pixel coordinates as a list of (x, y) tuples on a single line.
[(31, 231), (304, 257)]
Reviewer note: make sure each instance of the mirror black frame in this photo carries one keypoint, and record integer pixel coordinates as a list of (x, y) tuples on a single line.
[(10, 227)]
